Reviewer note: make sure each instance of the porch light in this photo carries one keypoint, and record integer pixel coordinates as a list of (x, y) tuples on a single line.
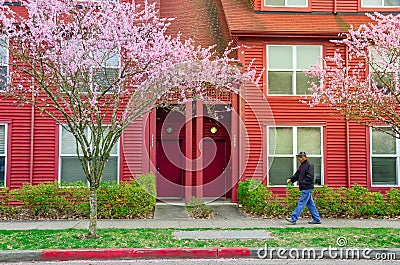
[(213, 130)]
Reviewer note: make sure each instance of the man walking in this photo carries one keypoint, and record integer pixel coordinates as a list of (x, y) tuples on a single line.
[(305, 176)]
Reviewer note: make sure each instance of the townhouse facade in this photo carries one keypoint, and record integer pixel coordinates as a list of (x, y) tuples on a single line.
[(258, 132)]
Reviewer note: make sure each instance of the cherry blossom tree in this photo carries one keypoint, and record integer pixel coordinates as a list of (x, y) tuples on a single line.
[(364, 86), (96, 66)]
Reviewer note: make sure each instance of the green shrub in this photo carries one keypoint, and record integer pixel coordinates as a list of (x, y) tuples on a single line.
[(44, 199), (252, 196), (292, 196), (354, 202), (329, 201), (126, 200), (393, 199), (148, 183), (48, 200), (5, 199), (256, 198), (360, 202)]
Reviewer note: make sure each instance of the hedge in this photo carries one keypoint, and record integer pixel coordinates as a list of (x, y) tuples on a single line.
[(133, 199), (354, 202)]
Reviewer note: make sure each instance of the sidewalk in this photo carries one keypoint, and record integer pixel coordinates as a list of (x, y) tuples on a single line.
[(167, 216), (191, 223)]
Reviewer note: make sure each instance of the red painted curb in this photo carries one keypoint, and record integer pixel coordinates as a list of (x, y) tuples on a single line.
[(128, 253), (233, 252)]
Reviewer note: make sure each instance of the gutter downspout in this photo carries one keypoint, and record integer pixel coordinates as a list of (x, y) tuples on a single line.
[(347, 129), (32, 139), (334, 7)]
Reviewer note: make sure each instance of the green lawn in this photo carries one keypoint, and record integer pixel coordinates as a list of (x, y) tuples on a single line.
[(163, 238)]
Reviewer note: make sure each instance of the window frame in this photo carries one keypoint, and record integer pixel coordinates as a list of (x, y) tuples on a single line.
[(286, 5), (5, 153), (382, 5), (272, 8), (293, 70), (397, 156), (295, 151), (61, 155), (6, 63), (103, 67), (371, 71)]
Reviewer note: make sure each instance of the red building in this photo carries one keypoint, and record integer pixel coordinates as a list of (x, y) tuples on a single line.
[(257, 137)]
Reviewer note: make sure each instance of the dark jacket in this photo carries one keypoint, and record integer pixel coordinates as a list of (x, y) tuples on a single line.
[(305, 176)]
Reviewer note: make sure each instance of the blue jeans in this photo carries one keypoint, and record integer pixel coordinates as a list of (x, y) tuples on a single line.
[(306, 199)]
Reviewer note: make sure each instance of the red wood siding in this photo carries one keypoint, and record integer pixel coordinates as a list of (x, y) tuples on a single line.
[(254, 107), (132, 151), (335, 153), (45, 149), (322, 5), (347, 5), (19, 144), (358, 154)]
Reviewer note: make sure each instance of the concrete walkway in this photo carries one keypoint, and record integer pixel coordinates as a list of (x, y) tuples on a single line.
[(175, 216)]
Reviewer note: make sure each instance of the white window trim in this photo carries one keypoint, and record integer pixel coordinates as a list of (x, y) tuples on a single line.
[(287, 5), (295, 152), (7, 63), (293, 70), (5, 153), (60, 155), (382, 5), (397, 156)]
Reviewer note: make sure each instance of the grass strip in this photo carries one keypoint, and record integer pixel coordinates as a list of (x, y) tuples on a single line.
[(163, 238)]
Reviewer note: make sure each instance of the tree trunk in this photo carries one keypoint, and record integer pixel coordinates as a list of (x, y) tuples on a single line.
[(93, 212)]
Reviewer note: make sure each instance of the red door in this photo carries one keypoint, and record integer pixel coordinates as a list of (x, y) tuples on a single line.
[(214, 162), (170, 174)]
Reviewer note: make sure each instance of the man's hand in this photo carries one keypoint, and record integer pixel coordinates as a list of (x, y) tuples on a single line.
[(288, 181)]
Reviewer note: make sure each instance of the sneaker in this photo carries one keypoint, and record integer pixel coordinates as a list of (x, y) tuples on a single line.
[(291, 221), (313, 222)]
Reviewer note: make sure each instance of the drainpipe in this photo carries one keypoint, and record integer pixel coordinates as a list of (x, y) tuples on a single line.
[(334, 7), (32, 137), (347, 129)]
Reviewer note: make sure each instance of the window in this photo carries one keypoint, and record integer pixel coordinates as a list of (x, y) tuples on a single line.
[(103, 69), (285, 68), (288, 3), (283, 145), (107, 74), (383, 67), (380, 3), (3, 64), (385, 158), (70, 167), (3, 153)]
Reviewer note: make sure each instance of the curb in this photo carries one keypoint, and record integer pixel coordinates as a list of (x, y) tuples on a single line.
[(325, 253), (123, 253), (193, 253)]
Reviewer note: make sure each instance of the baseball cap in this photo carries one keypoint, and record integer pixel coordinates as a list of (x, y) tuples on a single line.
[(302, 154)]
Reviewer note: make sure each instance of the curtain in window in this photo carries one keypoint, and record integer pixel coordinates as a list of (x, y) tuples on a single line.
[(281, 140)]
